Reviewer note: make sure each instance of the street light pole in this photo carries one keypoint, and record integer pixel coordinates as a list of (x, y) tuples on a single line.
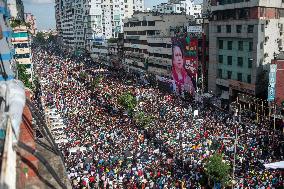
[(234, 162)]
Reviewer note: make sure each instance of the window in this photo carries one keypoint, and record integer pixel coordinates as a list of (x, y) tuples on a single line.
[(220, 44), (229, 60), (239, 28), (250, 46), (261, 45), (240, 46), (229, 73), (220, 73), (250, 28), (240, 61), (262, 27), (219, 29), (151, 23), (228, 28), (250, 63), (240, 77), (230, 45), (221, 59), (249, 79)]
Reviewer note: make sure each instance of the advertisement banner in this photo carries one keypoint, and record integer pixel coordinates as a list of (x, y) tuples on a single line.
[(184, 64), (194, 29), (271, 94), (272, 81)]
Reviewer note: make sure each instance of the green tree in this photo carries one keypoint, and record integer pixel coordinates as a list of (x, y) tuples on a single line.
[(51, 38), (127, 101), (23, 76), (83, 75), (15, 23), (142, 119), (40, 37), (217, 170), (95, 83)]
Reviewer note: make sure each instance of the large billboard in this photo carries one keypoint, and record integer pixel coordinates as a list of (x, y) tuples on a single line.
[(184, 64)]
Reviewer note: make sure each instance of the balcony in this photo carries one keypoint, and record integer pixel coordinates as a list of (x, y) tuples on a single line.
[(160, 50), (159, 39), (137, 37), (237, 4), (160, 61)]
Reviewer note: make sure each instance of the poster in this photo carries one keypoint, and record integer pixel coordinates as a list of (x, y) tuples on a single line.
[(184, 64)]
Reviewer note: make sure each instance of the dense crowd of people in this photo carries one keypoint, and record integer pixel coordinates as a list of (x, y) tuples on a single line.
[(113, 152)]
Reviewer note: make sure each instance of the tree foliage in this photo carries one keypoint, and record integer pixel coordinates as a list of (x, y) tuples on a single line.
[(142, 119), (40, 37), (83, 75), (217, 170), (127, 101), (95, 83), (15, 23), (23, 76)]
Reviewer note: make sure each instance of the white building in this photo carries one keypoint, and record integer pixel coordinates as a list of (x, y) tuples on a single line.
[(138, 5), (80, 22), (179, 6), (16, 8)]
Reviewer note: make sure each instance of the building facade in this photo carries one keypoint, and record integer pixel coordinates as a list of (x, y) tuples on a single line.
[(279, 84), (179, 6), (16, 8), (21, 42), (147, 42), (243, 37), (6, 48), (80, 22), (31, 20)]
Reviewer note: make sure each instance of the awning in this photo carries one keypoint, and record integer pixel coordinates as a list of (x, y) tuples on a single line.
[(275, 165)]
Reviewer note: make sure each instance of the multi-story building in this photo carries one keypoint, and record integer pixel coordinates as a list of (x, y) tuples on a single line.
[(80, 22), (147, 42), (206, 8), (179, 6), (16, 8), (80, 10), (279, 82), (138, 6), (21, 41), (31, 20), (6, 49), (244, 35)]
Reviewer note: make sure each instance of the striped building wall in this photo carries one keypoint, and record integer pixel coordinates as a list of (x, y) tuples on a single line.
[(6, 49)]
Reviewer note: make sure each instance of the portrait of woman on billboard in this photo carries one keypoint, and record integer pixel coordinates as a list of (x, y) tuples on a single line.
[(182, 80)]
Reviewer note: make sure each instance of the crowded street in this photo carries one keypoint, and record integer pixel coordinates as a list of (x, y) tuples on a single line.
[(103, 147)]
